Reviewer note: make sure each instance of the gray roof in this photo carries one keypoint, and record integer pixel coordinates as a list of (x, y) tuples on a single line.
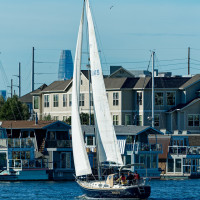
[(191, 81), (42, 87), (114, 83), (123, 130), (27, 98), (57, 86)]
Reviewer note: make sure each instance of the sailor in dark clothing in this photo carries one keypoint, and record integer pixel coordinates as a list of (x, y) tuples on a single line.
[(130, 178)]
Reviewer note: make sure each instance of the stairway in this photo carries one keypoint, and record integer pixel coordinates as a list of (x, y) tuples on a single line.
[(42, 146)]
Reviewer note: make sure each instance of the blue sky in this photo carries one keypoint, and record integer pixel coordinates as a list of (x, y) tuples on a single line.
[(126, 34)]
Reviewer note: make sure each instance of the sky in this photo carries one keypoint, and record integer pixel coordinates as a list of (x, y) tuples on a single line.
[(127, 31)]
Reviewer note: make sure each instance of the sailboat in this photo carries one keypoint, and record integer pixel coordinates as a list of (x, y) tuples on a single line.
[(108, 152)]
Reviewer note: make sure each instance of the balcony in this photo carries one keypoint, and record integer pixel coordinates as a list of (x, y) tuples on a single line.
[(21, 142), (58, 144), (184, 150), (142, 147)]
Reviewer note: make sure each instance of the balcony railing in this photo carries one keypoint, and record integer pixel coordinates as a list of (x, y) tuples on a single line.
[(143, 147), (21, 142), (58, 144), (27, 164), (184, 150)]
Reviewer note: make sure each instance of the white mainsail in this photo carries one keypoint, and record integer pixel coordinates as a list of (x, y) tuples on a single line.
[(81, 161), (107, 138)]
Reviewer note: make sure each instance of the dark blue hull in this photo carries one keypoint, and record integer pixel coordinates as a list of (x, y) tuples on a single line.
[(139, 192)]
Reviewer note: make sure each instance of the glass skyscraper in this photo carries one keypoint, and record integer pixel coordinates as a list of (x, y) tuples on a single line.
[(65, 70), (3, 94)]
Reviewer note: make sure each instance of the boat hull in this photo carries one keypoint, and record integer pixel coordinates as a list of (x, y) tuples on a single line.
[(135, 191)]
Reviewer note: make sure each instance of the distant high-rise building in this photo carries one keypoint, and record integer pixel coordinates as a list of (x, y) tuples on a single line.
[(65, 70), (3, 94)]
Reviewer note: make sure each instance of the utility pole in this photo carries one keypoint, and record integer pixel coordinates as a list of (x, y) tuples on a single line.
[(188, 60), (153, 89), (33, 72), (11, 88), (19, 79)]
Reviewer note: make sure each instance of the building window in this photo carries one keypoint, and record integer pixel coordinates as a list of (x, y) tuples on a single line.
[(107, 94), (90, 141), (193, 120), (55, 118), (139, 98), (128, 159), (157, 120), (64, 100), (65, 160), (81, 100), (139, 120), (115, 99), (46, 101), (55, 100), (70, 100), (36, 102), (127, 119), (64, 118), (159, 98), (170, 98), (115, 120), (170, 165)]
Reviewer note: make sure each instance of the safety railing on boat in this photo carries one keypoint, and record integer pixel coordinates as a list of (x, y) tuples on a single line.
[(184, 150)]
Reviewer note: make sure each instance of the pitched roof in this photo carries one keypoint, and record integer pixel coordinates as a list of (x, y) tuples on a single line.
[(42, 87), (182, 106), (57, 86), (27, 98), (123, 130), (25, 124), (191, 81), (114, 83)]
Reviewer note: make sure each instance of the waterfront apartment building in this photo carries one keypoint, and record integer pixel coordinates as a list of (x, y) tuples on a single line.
[(177, 101)]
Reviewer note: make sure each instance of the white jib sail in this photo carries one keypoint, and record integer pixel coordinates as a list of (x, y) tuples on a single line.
[(102, 111), (81, 161)]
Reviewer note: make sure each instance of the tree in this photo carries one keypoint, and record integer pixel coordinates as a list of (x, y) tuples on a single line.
[(47, 118), (84, 117), (13, 109)]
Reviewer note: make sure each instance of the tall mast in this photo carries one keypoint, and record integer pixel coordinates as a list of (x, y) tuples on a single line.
[(153, 89)]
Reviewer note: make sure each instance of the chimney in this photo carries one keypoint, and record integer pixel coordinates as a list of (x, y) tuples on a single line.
[(36, 119)]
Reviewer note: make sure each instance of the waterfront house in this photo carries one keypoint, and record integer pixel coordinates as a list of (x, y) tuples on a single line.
[(134, 148), (42, 145), (181, 155)]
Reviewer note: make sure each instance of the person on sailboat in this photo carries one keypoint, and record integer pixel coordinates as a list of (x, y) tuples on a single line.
[(130, 178), (122, 179), (136, 177)]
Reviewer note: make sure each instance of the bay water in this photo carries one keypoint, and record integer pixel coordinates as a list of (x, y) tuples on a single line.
[(67, 190)]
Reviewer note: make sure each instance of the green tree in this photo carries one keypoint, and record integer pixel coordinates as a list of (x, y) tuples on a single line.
[(2, 101), (47, 118), (13, 109)]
